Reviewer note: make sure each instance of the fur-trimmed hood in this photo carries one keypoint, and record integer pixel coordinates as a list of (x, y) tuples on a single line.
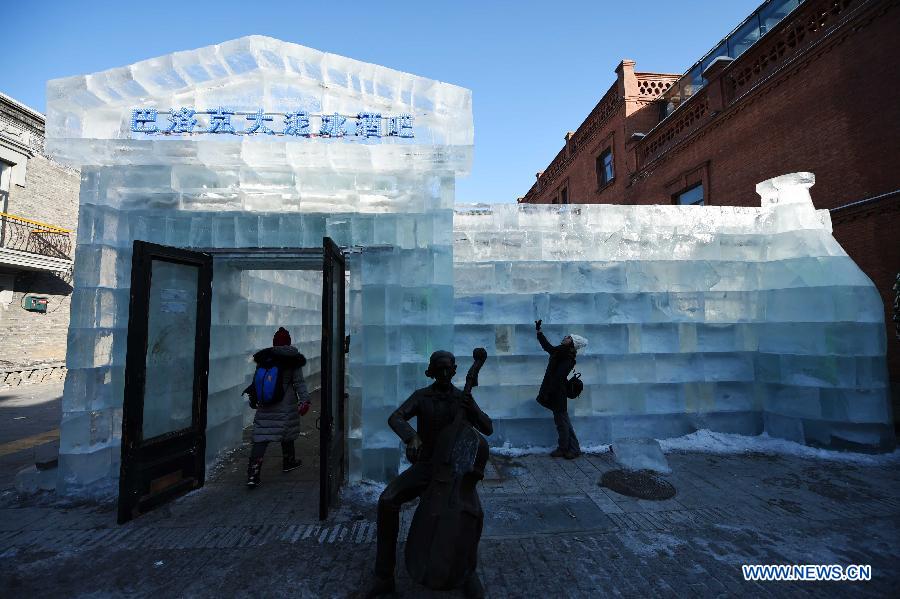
[(286, 354)]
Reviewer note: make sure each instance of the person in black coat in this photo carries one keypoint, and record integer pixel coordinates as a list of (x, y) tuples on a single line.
[(552, 394)]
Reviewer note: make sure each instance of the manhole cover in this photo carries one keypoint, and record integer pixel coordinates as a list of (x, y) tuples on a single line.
[(643, 484)]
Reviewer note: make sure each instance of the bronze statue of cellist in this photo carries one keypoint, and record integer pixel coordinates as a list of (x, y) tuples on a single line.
[(438, 407)]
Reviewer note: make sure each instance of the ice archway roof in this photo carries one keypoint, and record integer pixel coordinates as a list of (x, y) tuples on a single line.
[(89, 117)]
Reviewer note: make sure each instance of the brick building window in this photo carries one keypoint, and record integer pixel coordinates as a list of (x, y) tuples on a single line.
[(564, 195), (604, 167), (692, 196)]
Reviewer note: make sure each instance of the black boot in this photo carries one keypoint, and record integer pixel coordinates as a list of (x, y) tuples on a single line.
[(254, 467), (288, 460)]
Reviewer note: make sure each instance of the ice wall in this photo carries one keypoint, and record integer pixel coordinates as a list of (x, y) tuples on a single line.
[(292, 299), (248, 307), (733, 319), (389, 199)]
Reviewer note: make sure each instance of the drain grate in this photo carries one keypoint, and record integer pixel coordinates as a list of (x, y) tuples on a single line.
[(643, 484)]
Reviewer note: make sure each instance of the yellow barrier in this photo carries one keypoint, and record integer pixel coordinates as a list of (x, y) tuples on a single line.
[(49, 228), (33, 236)]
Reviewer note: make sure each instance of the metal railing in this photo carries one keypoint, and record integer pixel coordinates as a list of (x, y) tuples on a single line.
[(35, 237), (745, 35)]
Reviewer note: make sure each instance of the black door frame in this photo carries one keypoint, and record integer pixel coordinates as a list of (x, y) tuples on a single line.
[(161, 468), (140, 457), (332, 435)]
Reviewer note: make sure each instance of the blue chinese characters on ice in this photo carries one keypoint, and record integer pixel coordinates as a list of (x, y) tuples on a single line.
[(187, 121)]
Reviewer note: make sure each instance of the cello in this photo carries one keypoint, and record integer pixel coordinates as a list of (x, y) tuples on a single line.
[(442, 544)]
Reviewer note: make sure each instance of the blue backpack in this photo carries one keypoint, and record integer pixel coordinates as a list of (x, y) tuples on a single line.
[(267, 385)]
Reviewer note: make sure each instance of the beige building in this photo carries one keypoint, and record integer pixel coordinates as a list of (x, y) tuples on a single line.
[(38, 218)]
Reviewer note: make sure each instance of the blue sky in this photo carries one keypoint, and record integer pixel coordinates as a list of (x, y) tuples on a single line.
[(535, 68)]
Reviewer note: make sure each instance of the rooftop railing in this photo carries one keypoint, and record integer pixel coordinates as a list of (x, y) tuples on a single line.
[(809, 25), (26, 235), (751, 29)]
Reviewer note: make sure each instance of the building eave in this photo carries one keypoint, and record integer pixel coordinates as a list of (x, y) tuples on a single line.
[(18, 260), (23, 107)]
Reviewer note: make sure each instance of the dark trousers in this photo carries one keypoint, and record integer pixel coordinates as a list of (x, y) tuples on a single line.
[(411, 483), (259, 449), (567, 439)]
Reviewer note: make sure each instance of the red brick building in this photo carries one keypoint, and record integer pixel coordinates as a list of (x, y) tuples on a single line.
[(797, 86)]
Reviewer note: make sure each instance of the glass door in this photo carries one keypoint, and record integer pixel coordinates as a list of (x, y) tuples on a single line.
[(166, 368), (331, 437)]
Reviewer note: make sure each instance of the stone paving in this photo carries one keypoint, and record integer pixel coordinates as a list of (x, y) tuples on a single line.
[(550, 531)]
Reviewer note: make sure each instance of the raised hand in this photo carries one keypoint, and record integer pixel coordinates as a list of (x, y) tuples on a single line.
[(413, 448), (537, 325)]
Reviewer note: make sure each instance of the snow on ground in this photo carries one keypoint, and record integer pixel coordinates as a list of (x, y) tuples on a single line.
[(707, 441), (702, 441), (362, 492), (514, 452)]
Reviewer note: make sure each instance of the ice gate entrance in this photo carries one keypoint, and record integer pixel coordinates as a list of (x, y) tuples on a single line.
[(743, 320), (387, 198), (167, 366)]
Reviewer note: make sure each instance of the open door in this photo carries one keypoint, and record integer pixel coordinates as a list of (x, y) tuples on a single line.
[(331, 437), (166, 368)]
